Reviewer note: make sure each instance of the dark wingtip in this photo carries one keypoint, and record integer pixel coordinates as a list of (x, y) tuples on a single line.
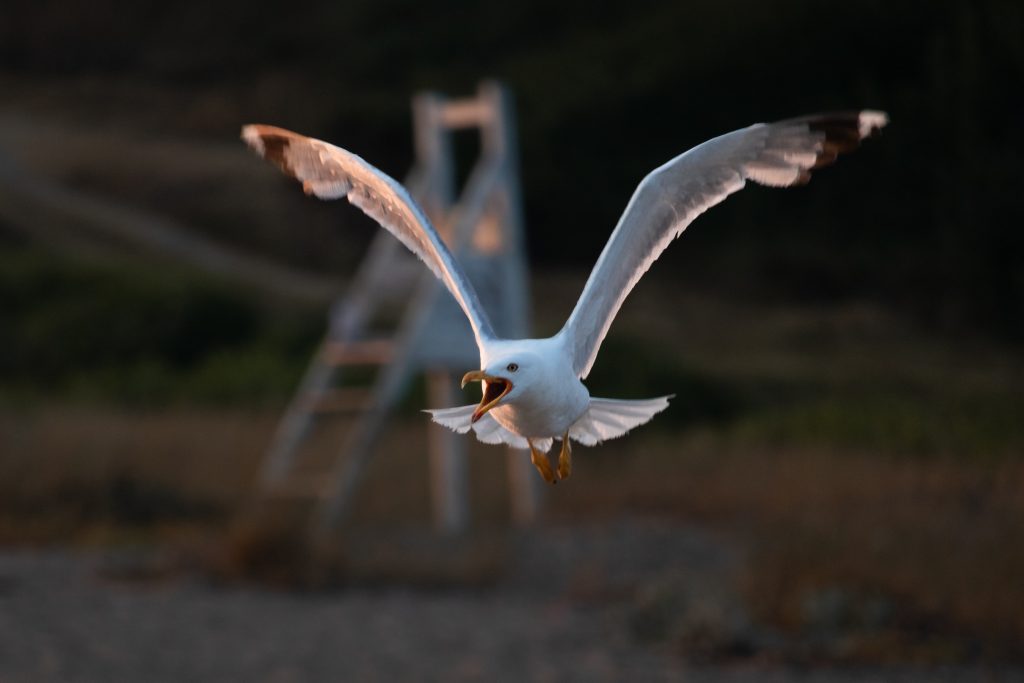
[(843, 131), (271, 143)]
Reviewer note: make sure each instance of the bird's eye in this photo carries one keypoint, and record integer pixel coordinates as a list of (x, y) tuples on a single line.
[(512, 367)]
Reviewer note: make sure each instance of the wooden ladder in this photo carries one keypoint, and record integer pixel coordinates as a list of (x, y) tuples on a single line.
[(484, 231)]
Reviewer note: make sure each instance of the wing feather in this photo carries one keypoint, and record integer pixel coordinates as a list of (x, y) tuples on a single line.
[(670, 197), (330, 172), (487, 429), (611, 418)]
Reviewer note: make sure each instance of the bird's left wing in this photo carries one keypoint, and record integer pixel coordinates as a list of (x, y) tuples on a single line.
[(672, 196), (330, 172)]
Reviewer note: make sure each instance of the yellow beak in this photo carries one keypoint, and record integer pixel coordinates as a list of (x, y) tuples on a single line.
[(495, 389)]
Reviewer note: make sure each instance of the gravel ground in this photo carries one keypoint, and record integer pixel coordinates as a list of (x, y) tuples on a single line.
[(566, 611)]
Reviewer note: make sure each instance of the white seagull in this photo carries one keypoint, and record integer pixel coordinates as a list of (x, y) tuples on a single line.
[(532, 388)]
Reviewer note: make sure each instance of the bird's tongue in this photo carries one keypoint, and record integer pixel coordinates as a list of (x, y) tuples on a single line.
[(493, 390)]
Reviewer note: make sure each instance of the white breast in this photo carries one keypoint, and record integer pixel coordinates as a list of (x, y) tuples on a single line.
[(549, 415), (550, 398)]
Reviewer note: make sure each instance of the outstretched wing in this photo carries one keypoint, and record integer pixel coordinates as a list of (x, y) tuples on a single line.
[(672, 196), (330, 172)]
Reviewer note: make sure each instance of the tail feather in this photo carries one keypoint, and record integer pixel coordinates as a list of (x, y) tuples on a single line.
[(609, 418)]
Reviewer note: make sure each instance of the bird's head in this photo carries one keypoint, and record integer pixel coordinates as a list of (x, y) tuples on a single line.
[(503, 380)]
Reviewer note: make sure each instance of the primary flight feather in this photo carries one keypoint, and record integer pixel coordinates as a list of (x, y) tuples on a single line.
[(532, 388)]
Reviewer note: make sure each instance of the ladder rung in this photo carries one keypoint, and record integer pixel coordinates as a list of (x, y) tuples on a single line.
[(465, 113), (338, 401), (301, 487), (365, 352)]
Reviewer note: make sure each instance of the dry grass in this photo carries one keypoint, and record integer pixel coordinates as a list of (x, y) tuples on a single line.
[(931, 546), (73, 472), (872, 477), (86, 473)]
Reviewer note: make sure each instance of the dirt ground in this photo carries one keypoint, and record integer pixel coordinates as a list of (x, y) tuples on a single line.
[(571, 603)]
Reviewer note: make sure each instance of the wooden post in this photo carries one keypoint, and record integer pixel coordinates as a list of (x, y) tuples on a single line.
[(524, 492), (434, 158), (484, 230), (449, 472), (499, 139)]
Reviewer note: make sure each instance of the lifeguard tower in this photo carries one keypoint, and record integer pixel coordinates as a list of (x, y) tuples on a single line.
[(482, 226)]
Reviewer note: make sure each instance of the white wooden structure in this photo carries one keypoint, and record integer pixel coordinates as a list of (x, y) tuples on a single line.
[(483, 227)]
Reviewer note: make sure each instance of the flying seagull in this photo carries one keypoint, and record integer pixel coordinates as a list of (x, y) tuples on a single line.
[(533, 391)]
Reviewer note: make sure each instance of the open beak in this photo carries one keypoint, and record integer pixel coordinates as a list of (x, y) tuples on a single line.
[(495, 389)]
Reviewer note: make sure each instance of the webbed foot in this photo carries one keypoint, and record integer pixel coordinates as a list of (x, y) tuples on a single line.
[(543, 465), (565, 458)]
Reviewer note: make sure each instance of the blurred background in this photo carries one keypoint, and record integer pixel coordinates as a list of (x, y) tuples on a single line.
[(838, 487)]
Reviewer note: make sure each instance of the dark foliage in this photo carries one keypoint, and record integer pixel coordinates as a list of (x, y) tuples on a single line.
[(927, 218), (141, 336)]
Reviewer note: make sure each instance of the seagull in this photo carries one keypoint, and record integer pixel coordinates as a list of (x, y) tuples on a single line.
[(533, 391)]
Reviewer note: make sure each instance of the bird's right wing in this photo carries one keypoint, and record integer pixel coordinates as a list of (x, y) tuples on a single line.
[(672, 196), (330, 172)]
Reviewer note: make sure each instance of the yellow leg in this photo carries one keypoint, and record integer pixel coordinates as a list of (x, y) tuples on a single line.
[(541, 462), (565, 458)]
